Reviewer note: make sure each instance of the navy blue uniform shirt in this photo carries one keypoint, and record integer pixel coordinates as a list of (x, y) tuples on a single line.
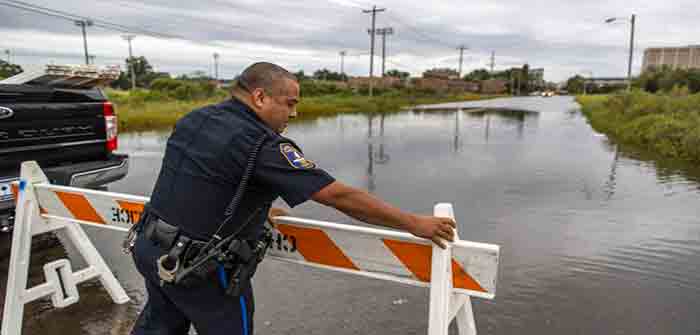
[(204, 161)]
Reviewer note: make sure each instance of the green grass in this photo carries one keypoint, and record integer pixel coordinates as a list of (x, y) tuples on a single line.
[(139, 114), (668, 124)]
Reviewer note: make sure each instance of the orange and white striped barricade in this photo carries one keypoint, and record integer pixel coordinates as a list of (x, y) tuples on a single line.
[(41, 208), (453, 274)]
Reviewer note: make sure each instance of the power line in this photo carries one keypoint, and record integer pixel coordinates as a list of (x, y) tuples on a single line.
[(72, 17), (100, 22), (187, 18), (426, 37), (210, 23), (410, 68), (37, 11)]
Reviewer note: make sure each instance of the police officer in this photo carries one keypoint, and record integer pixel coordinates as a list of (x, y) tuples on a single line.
[(204, 163)]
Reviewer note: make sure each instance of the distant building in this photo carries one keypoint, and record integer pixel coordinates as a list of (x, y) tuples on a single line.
[(687, 57), (446, 74), (494, 86), (379, 82), (536, 78), (604, 82), (445, 85), (462, 86)]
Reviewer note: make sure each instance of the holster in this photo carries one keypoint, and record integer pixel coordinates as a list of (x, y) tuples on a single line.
[(248, 259), (186, 264), (160, 232)]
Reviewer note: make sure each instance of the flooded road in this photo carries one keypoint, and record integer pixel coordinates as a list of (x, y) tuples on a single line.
[(595, 238)]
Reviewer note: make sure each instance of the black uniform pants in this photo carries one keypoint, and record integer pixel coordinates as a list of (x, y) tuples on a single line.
[(171, 309)]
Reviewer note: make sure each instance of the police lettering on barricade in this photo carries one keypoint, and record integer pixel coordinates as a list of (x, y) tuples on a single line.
[(453, 274)]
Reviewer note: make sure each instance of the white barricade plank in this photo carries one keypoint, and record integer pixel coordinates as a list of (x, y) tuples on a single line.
[(384, 254), (108, 209), (453, 274)]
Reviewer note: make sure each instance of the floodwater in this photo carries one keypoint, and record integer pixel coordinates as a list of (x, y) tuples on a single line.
[(595, 238)]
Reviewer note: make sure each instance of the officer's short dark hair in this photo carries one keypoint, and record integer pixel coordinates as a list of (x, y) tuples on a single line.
[(264, 75)]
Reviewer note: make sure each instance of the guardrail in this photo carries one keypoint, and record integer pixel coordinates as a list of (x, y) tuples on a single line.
[(454, 274)]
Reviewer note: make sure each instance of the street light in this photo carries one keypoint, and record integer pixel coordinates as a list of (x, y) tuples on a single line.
[(629, 63)]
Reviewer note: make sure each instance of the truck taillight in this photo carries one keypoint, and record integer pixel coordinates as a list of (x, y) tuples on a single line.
[(110, 126)]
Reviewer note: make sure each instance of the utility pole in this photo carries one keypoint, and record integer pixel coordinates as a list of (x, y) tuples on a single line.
[(590, 77), (629, 63), (633, 19), (374, 12), (461, 49), (82, 24), (516, 78), (512, 83), (493, 60), (384, 32), (216, 67), (342, 61), (129, 38)]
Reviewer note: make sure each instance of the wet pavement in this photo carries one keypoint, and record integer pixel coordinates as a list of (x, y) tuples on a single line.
[(595, 237)]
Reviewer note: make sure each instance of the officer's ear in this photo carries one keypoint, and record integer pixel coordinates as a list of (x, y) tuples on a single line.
[(258, 95)]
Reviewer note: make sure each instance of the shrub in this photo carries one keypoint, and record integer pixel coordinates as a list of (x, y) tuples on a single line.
[(668, 124)]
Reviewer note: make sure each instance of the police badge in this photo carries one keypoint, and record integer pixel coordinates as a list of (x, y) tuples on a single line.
[(295, 158)]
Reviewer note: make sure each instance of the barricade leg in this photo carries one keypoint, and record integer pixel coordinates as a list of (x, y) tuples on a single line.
[(461, 310), (96, 265), (25, 212), (441, 281), (445, 305), (60, 280)]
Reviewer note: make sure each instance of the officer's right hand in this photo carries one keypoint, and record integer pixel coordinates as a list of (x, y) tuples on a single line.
[(433, 228)]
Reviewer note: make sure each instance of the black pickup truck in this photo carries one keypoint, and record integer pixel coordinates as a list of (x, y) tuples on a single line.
[(71, 133)]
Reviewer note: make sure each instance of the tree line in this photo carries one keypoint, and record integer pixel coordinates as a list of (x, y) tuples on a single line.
[(664, 79)]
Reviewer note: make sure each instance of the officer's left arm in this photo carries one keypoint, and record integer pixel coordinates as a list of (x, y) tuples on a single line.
[(283, 167), (366, 207)]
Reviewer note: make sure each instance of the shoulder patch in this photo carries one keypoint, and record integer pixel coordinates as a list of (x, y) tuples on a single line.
[(295, 158)]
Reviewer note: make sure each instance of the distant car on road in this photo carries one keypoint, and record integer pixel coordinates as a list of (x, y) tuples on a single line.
[(547, 94)]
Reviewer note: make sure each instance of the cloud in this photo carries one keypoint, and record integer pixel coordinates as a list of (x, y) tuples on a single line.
[(564, 37)]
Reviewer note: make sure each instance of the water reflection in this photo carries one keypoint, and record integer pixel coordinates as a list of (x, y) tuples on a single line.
[(611, 183), (380, 157), (596, 237), (421, 134), (507, 117)]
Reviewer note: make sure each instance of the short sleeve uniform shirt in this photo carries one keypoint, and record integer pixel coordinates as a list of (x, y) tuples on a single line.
[(204, 161)]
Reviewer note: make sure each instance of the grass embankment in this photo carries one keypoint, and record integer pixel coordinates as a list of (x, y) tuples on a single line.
[(138, 114), (668, 125)]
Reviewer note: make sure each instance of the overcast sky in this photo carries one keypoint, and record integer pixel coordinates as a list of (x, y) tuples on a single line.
[(564, 37)]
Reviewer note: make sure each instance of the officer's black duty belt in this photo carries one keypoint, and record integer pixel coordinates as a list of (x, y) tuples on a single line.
[(188, 262)]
